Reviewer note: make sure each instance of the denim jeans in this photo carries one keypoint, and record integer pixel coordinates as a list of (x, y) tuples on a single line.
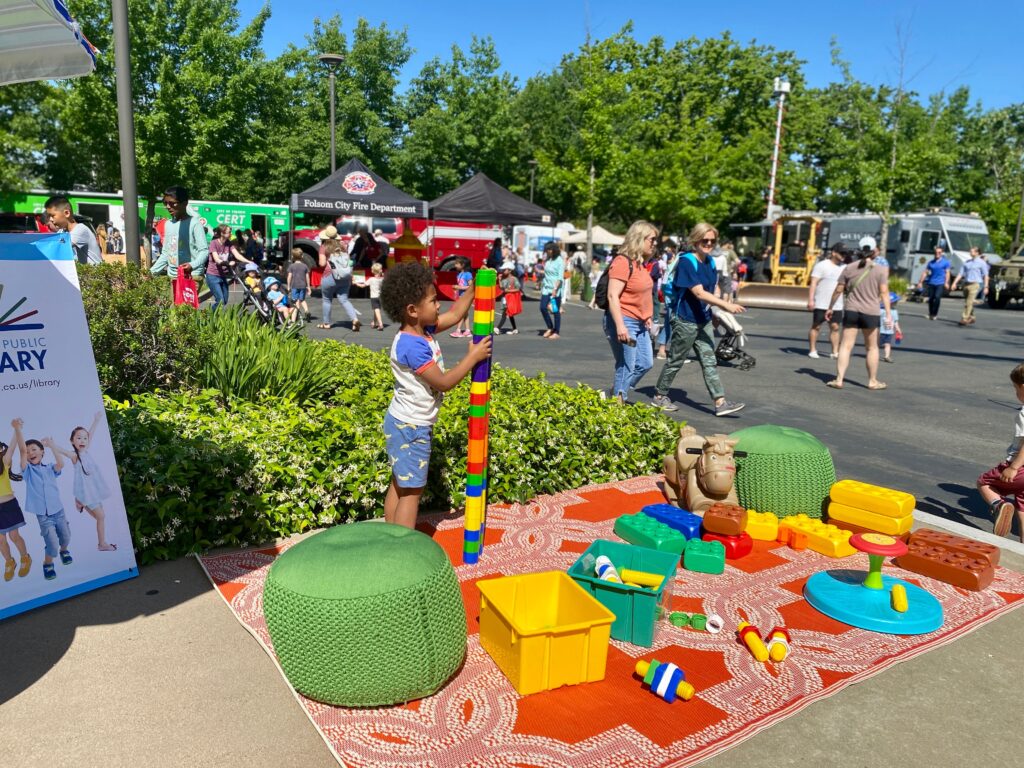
[(665, 334), (219, 289), (631, 362), (553, 320), (687, 336), (934, 293), (330, 290), (55, 532)]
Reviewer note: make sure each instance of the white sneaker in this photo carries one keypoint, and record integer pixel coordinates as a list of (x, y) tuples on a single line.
[(834, 355), (814, 354)]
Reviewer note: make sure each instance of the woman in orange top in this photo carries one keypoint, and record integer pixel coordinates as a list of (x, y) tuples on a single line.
[(627, 322)]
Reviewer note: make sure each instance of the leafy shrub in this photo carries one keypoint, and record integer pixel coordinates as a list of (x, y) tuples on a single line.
[(140, 339), (251, 360), (898, 285), (197, 475)]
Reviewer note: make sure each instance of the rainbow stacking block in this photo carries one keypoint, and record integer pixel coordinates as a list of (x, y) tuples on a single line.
[(479, 407)]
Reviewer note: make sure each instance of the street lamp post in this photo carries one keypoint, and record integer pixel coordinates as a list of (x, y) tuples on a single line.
[(333, 61), (533, 170), (781, 89)]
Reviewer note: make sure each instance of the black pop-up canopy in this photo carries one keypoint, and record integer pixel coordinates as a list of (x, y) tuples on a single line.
[(484, 201), (355, 190)]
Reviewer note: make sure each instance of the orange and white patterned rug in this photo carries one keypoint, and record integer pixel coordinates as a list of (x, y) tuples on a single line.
[(479, 719)]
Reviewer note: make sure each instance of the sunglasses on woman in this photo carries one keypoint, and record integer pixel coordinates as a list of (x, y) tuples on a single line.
[(707, 242)]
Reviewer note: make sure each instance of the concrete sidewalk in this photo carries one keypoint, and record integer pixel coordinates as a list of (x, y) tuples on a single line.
[(158, 672)]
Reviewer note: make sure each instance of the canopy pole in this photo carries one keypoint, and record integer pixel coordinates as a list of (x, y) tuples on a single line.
[(126, 129)]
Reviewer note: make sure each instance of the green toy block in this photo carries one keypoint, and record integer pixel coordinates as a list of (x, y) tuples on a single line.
[(644, 531), (478, 410), (704, 556)]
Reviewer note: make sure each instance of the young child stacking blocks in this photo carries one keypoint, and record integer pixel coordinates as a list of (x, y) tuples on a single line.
[(860, 507)]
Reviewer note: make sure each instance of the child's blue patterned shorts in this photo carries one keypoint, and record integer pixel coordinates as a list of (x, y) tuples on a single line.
[(409, 451)]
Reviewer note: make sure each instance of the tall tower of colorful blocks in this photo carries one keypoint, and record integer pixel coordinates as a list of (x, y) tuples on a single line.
[(479, 409)]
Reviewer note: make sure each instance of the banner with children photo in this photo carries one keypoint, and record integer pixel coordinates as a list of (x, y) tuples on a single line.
[(63, 526)]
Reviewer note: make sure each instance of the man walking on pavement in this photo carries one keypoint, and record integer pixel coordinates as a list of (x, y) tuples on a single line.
[(936, 275), (975, 277), (824, 277)]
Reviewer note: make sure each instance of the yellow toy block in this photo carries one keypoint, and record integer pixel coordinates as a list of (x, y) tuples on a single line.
[(872, 498), (893, 526), (821, 537), (763, 526)]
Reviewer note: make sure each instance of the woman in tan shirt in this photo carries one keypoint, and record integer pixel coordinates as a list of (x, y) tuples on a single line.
[(864, 286)]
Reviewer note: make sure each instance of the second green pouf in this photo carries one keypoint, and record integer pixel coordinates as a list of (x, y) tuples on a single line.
[(368, 614), (786, 471)]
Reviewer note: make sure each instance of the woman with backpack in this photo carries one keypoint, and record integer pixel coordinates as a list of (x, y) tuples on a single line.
[(693, 288), (336, 281), (630, 308)]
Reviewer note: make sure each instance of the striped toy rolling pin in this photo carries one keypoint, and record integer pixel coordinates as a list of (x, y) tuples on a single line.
[(479, 408)]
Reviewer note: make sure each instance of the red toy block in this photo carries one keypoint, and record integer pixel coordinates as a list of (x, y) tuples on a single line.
[(735, 546), (725, 519), (960, 544), (952, 559)]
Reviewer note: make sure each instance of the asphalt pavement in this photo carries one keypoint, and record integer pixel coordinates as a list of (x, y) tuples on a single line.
[(946, 416)]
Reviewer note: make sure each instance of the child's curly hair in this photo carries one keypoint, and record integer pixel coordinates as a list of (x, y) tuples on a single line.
[(1017, 375), (404, 284)]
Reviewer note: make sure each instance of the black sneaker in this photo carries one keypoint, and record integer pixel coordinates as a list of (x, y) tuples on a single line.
[(662, 401), (728, 407)]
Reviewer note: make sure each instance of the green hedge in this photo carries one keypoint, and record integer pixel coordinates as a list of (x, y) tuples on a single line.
[(140, 339), (196, 474)]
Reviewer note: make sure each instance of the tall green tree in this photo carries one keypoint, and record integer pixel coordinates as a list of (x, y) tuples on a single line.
[(22, 108), (459, 122), (198, 98), (369, 116)]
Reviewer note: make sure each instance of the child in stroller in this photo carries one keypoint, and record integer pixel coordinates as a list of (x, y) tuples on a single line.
[(730, 346), (253, 295)]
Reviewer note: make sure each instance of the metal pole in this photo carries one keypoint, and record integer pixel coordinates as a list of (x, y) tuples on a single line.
[(1020, 218), (775, 153), (333, 161), (533, 170), (126, 129), (590, 219)]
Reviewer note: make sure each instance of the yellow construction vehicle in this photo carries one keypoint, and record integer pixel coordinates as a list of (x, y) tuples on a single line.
[(791, 267)]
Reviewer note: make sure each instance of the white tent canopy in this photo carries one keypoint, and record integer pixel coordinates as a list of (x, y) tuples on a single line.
[(40, 41), (600, 236)]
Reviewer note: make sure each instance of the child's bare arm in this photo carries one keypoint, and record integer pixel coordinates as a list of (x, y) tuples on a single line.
[(443, 381), (1009, 474), (20, 437), (58, 457), (458, 311)]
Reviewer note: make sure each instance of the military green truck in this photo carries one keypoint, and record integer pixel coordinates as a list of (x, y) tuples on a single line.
[(1006, 281)]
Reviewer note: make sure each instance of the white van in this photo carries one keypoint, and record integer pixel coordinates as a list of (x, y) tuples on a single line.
[(528, 241)]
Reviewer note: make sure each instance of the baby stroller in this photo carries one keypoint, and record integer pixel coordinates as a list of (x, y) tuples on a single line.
[(254, 299), (730, 346)]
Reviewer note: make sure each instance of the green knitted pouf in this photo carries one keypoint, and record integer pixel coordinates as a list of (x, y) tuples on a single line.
[(366, 615), (786, 471)]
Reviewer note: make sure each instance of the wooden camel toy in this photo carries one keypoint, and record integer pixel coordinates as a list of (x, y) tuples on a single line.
[(702, 471)]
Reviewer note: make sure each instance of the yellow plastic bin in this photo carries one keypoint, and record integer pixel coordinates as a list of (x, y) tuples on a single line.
[(543, 630)]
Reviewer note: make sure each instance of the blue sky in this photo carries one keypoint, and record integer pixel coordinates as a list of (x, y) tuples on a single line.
[(976, 44)]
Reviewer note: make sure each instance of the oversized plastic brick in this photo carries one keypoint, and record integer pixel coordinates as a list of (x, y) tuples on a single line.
[(735, 546), (943, 558), (685, 522), (956, 543), (762, 526), (893, 526), (644, 531), (904, 537), (704, 556), (872, 498), (725, 519), (826, 539)]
